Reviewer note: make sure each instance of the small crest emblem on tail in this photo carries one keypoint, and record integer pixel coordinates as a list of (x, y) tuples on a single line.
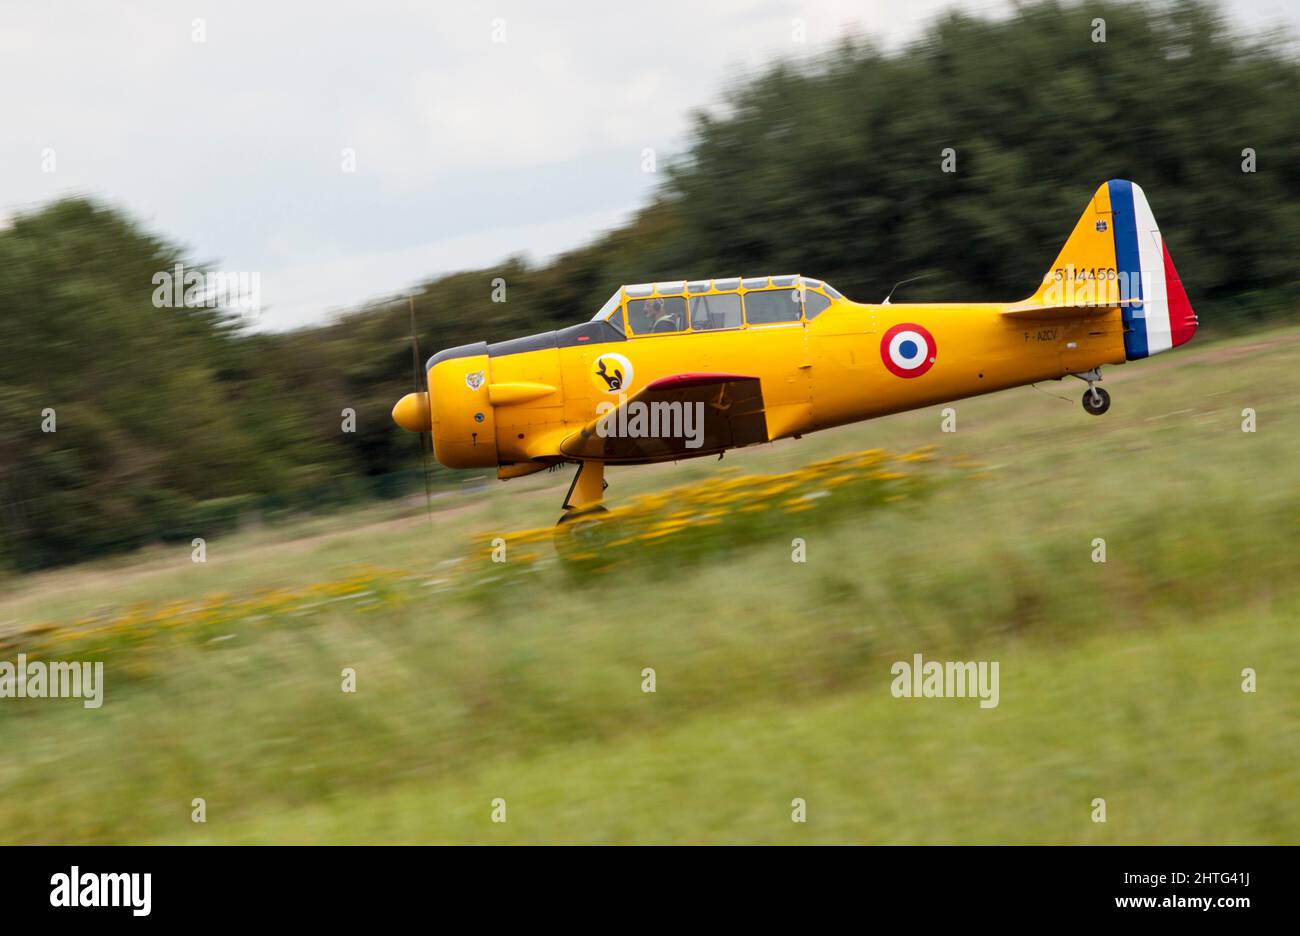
[(475, 380)]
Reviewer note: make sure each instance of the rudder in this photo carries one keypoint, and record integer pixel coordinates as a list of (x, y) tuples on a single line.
[(1116, 256)]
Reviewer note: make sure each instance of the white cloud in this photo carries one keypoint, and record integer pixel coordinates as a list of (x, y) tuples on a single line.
[(300, 294)]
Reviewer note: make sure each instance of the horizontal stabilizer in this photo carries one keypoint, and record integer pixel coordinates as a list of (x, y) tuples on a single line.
[(1035, 310)]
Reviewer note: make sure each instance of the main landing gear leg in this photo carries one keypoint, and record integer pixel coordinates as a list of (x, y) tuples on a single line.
[(586, 492), (1095, 400)]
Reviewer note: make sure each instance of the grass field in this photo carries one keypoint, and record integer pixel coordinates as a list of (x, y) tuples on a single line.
[(522, 680)]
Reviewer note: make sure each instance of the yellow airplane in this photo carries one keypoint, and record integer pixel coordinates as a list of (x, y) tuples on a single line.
[(682, 369)]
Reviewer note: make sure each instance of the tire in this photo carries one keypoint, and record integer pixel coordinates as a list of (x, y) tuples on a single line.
[(1094, 407)]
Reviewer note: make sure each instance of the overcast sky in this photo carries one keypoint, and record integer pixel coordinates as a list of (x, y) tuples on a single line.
[(467, 149)]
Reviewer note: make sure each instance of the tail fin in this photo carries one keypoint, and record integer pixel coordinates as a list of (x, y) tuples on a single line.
[(1116, 257)]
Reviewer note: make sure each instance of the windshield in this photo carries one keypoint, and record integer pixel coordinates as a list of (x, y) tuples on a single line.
[(610, 305)]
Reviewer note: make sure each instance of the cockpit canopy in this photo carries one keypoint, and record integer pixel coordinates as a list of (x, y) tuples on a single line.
[(712, 305)]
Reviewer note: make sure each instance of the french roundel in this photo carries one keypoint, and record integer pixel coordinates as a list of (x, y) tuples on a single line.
[(908, 350)]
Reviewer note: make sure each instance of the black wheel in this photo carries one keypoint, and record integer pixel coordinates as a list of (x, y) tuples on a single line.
[(1096, 400)]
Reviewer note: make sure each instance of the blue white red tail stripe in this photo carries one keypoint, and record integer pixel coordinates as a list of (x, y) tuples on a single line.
[(1129, 264), (1162, 318)]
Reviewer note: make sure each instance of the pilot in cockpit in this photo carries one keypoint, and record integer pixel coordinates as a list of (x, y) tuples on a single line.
[(661, 320)]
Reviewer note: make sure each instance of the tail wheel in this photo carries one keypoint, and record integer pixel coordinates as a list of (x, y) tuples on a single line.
[(1096, 400)]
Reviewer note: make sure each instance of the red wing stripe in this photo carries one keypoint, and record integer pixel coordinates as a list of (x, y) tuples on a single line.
[(676, 381)]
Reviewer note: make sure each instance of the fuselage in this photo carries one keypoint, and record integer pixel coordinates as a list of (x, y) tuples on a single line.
[(815, 374)]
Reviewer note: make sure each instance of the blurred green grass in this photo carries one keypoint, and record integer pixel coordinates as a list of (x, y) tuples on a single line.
[(1119, 680)]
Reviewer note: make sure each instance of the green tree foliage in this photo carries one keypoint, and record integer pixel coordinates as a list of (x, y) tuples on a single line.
[(160, 431), (174, 423)]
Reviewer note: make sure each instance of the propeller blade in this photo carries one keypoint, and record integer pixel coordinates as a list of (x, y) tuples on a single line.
[(422, 386)]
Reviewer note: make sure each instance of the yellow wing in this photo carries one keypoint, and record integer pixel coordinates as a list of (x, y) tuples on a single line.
[(681, 416)]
